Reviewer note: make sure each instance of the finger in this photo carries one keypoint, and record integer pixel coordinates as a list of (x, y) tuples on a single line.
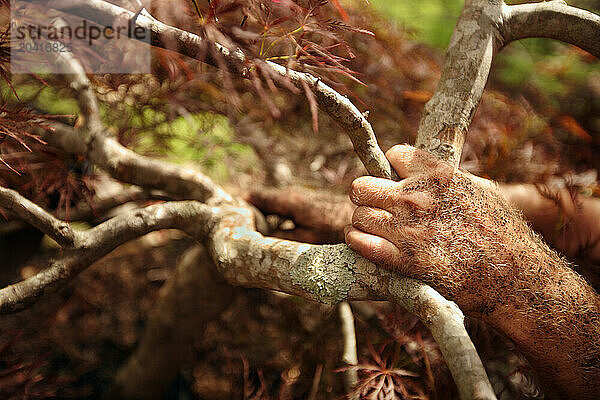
[(382, 223), (374, 248), (376, 192), (409, 161), (374, 220), (386, 194)]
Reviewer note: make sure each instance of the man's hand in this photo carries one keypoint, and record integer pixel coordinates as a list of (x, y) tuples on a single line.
[(444, 227), (459, 235)]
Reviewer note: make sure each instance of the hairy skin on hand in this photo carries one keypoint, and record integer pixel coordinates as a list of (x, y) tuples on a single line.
[(445, 227)]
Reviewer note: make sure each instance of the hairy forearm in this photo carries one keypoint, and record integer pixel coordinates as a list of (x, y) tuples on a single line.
[(553, 316), (525, 289)]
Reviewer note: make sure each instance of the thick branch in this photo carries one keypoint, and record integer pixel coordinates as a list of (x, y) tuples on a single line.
[(447, 116), (333, 273), (555, 20), (35, 215), (320, 211)]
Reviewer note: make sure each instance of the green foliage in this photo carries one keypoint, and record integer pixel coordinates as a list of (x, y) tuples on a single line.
[(544, 65), (205, 139), (431, 21), (50, 99), (548, 66)]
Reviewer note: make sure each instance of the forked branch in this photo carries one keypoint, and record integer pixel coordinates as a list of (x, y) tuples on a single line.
[(324, 273), (93, 244), (35, 215), (484, 28)]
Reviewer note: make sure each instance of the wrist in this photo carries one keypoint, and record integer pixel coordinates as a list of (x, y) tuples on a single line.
[(556, 325), (537, 280), (547, 304)]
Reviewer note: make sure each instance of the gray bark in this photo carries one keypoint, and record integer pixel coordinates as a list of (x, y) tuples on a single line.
[(554, 20), (447, 116), (329, 274)]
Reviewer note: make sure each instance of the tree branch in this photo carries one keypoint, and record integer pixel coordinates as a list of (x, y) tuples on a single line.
[(338, 107), (98, 207), (334, 273), (555, 20), (129, 167), (447, 116), (35, 215), (95, 243), (352, 121)]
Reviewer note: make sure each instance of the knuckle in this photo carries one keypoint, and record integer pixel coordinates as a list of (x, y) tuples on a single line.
[(400, 149), (414, 201), (443, 169), (358, 188), (422, 201), (362, 217)]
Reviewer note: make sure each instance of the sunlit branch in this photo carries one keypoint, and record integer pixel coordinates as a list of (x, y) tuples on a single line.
[(447, 116), (338, 107)]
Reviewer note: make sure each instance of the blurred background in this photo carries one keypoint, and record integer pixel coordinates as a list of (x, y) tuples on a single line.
[(539, 122)]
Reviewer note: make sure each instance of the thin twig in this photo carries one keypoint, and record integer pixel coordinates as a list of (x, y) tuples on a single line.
[(350, 353)]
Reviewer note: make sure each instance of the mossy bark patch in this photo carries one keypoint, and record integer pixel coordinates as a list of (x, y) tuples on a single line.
[(325, 271)]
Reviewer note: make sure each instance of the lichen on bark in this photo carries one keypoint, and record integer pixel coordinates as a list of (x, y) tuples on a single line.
[(325, 271)]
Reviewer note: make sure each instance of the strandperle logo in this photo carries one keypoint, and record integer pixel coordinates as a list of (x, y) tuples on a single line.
[(39, 32), (82, 32)]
